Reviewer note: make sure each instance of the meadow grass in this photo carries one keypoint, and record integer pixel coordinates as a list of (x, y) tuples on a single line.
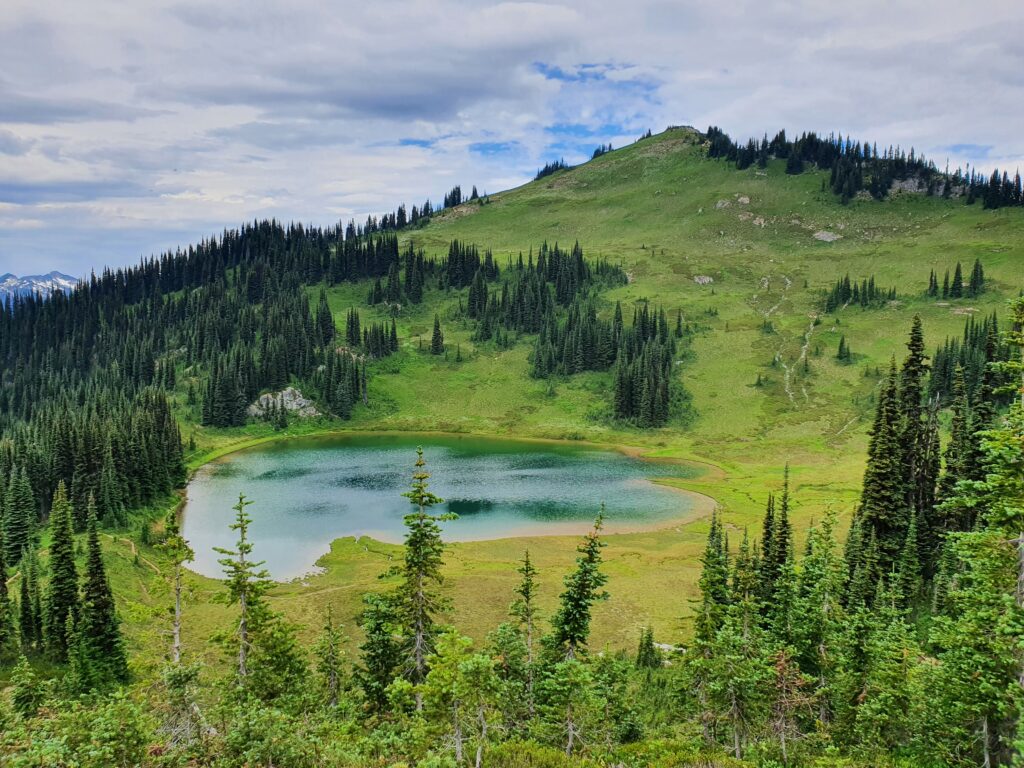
[(667, 214)]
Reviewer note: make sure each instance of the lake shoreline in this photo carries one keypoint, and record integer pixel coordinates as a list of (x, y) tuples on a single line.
[(700, 505)]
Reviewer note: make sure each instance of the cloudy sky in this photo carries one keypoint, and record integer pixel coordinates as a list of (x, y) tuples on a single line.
[(130, 128)]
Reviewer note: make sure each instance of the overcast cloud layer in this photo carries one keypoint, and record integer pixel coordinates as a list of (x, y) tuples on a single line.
[(130, 128)]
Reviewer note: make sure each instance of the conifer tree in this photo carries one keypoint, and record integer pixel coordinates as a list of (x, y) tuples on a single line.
[(437, 338), (101, 648), (461, 690), (883, 702), (30, 612), (908, 568), (247, 584), (791, 699), (744, 593), (843, 353), (768, 570), (648, 656), (417, 600), (714, 583), (329, 656), (27, 694), (818, 612), (19, 516), (183, 717), (524, 608), (9, 645), (380, 654), (978, 639), (570, 626), (324, 319), (62, 603), (570, 711), (883, 507), (782, 538), (959, 448), (977, 282), (179, 551), (917, 437), (739, 671), (956, 290), (782, 610)]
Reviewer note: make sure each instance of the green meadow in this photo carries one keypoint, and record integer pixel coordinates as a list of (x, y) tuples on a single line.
[(760, 366)]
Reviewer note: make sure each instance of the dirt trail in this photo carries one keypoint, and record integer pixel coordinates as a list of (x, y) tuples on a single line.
[(787, 379), (135, 551)]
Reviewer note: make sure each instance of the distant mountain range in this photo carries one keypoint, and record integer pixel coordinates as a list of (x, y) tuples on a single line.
[(12, 285)]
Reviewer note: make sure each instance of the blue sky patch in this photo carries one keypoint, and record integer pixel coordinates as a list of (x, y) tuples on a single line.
[(977, 151), (416, 143), (494, 148)]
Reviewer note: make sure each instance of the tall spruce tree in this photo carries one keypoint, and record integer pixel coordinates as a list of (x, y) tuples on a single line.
[(767, 571), (884, 696), (9, 645), (380, 654), (959, 449), (247, 584), (179, 551), (62, 602), (30, 611), (714, 583), (19, 516), (329, 659), (919, 438), (974, 694), (956, 290), (183, 717), (437, 338), (648, 655), (418, 600), (570, 626), (883, 510), (524, 608), (101, 648), (818, 612)]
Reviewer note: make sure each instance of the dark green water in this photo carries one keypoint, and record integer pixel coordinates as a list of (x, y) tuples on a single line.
[(310, 491)]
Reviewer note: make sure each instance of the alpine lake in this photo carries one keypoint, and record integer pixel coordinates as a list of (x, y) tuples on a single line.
[(308, 491)]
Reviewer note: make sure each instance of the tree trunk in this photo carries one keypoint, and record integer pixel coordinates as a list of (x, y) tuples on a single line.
[(1020, 593), (176, 643), (420, 636), (986, 760), (458, 732), (571, 729), (734, 715), (243, 624), (529, 664), (482, 719)]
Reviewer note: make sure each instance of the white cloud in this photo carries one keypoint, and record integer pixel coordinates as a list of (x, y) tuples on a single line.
[(144, 125)]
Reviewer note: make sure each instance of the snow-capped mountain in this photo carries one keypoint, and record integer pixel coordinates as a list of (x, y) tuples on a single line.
[(12, 285)]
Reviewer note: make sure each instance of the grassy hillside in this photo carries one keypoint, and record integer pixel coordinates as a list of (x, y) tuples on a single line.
[(668, 215)]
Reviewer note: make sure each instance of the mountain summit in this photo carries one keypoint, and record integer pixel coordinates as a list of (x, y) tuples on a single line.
[(12, 285)]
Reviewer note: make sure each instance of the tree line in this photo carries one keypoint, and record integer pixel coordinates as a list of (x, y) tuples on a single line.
[(901, 645), (856, 166), (956, 289), (866, 294)]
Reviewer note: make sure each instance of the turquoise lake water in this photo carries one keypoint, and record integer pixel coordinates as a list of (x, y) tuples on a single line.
[(309, 491)]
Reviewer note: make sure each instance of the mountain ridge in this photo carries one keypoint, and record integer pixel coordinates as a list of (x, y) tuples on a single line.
[(25, 285)]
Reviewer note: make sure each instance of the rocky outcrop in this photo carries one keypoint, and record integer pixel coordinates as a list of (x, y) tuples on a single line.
[(290, 399)]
